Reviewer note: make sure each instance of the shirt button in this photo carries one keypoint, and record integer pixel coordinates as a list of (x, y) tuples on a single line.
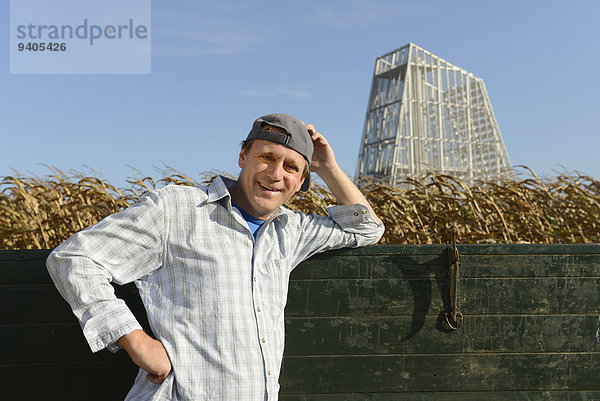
[(254, 278), (264, 340), (269, 372), (258, 309), (356, 213), (364, 212)]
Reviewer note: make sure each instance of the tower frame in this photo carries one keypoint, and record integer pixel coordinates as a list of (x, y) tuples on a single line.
[(426, 115)]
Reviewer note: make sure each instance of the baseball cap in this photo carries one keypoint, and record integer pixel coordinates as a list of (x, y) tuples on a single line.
[(296, 137)]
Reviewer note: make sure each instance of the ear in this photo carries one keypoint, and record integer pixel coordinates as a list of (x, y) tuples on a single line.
[(297, 189), (242, 158)]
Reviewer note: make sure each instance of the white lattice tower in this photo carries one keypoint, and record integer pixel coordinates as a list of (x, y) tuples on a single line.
[(427, 115)]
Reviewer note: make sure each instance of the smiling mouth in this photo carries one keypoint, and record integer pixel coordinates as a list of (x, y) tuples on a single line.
[(268, 188)]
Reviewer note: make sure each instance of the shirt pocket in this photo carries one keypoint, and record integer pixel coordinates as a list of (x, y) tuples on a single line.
[(275, 275)]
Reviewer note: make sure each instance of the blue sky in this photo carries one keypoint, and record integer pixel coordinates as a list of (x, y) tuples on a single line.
[(216, 66)]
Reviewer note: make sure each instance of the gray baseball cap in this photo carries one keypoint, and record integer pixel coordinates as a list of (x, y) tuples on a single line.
[(296, 137)]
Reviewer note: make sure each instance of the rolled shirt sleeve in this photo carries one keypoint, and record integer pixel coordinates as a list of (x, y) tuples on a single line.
[(120, 248), (356, 219), (347, 226)]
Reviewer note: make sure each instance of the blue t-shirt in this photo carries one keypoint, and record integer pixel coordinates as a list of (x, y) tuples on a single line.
[(253, 223)]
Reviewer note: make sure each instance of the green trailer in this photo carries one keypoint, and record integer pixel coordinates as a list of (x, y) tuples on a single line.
[(428, 322)]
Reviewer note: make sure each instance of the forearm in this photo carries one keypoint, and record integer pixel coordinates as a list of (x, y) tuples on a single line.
[(147, 353), (341, 187), (344, 190)]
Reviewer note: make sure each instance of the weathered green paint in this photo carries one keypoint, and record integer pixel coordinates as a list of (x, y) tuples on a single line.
[(49, 343), (390, 335), (365, 324), (397, 297), (452, 396), (45, 305), (347, 336), (93, 380), (441, 372)]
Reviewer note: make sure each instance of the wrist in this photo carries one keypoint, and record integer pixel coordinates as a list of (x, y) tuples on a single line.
[(131, 340), (329, 172)]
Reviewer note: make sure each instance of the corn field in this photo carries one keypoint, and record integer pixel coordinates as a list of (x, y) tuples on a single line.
[(38, 213)]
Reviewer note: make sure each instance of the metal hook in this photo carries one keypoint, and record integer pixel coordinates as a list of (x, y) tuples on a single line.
[(458, 320), (453, 277)]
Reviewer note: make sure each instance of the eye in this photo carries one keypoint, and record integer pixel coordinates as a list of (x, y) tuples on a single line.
[(266, 158), (291, 168)]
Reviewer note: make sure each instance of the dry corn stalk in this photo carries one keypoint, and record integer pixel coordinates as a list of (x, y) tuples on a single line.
[(42, 213)]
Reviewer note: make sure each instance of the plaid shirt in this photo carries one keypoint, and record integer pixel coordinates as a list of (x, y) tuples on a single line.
[(214, 294)]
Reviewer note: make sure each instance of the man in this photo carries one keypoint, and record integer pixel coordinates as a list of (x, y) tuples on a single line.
[(212, 266)]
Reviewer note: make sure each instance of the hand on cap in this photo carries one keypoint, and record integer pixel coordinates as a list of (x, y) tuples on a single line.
[(323, 158), (324, 164)]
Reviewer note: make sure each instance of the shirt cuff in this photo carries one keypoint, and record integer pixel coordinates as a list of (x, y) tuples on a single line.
[(354, 218), (105, 328), (113, 347)]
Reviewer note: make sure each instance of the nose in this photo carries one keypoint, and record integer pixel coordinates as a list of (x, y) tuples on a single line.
[(275, 171)]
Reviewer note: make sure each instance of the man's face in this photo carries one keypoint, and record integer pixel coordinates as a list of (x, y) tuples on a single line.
[(271, 174)]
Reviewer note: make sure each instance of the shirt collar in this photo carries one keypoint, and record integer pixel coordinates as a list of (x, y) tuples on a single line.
[(219, 189)]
